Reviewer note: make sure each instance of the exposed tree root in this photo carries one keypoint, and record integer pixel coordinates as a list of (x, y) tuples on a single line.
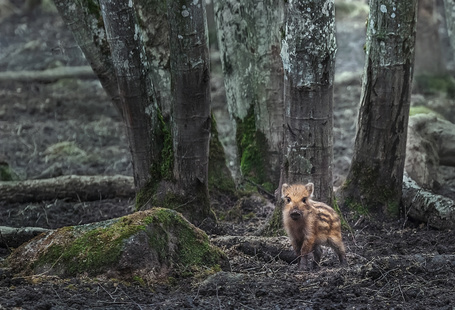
[(438, 211)]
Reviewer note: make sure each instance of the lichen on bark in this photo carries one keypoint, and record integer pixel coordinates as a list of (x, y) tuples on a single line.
[(308, 54), (249, 36), (376, 174)]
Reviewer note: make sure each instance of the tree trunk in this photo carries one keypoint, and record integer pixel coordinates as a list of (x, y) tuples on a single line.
[(449, 8), (137, 97), (428, 53), (375, 177), (249, 35), (191, 120), (155, 34), (88, 30), (170, 164), (309, 62), (308, 55)]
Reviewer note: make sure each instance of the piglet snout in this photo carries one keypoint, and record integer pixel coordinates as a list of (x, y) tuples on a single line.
[(295, 214)]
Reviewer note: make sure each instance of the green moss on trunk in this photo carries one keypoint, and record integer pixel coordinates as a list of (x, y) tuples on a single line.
[(161, 169), (368, 194), (253, 150)]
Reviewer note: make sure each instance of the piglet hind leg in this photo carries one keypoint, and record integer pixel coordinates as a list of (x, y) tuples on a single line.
[(337, 245)]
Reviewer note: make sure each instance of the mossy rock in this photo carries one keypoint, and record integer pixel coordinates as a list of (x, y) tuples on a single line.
[(423, 110), (152, 245)]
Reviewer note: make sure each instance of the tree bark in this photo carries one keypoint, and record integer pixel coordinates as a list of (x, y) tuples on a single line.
[(88, 30), (73, 187), (375, 177), (166, 160), (449, 9), (249, 35), (191, 120), (308, 55), (155, 34), (136, 90)]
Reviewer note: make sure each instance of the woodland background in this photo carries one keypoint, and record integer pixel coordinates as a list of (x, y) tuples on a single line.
[(68, 126)]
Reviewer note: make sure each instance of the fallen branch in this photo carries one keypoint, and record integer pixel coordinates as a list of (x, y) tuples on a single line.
[(48, 75), (438, 211), (74, 187), (11, 237), (267, 248)]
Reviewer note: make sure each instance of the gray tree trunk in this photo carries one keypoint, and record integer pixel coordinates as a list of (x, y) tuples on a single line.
[(169, 143), (191, 119), (308, 54), (138, 102), (428, 53), (88, 30), (449, 8), (249, 35), (155, 35), (375, 177)]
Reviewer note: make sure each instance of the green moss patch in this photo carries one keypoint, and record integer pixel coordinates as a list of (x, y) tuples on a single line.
[(87, 248), (366, 193), (161, 168), (193, 246), (253, 150), (435, 84)]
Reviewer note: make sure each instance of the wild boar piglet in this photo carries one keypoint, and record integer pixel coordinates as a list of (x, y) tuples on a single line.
[(310, 224)]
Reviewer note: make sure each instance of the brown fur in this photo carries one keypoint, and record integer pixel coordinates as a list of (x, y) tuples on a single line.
[(310, 224)]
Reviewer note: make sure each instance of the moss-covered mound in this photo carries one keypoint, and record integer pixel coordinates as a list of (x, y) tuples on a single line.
[(147, 245)]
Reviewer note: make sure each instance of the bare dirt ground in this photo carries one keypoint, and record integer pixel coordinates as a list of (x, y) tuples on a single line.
[(70, 127)]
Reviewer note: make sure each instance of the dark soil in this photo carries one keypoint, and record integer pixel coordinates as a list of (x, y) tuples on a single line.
[(391, 265)]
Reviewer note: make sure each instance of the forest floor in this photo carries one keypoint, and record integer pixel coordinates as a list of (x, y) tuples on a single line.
[(70, 127)]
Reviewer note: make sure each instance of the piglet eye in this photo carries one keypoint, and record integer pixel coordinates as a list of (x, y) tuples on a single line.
[(304, 199), (288, 200)]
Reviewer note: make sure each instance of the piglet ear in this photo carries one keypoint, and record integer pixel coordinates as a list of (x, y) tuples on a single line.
[(284, 187), (310, 188)]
